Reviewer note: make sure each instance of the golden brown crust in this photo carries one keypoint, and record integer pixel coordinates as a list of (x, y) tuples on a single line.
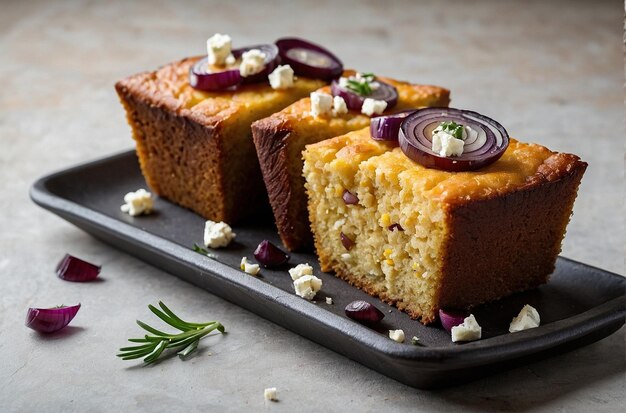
[(280, 139), (195, 147)]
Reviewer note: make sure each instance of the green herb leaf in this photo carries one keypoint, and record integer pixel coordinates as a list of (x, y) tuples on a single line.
[(452, 128), (199, 249), (152, 347)]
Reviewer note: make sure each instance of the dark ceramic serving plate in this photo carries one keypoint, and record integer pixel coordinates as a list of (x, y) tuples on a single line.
[(579, 306)]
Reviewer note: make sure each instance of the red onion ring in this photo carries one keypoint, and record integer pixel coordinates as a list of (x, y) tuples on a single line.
[(309, 59), (387, 127), (271, 61), (415, 139), (202, 78), (363, 312), (355, 101), (49, 320)]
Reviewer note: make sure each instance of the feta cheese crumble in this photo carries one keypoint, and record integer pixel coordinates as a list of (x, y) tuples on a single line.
[(137, 203), (307, 286), (373, 106), (270, 394), (339, 106), (281, 77), (321, 104), (397, 335), (217, 234), (218, 49), (468, 331), (252, 62), (329, 300), (446, 144), (252, 269), (527, 318), (300, 270)]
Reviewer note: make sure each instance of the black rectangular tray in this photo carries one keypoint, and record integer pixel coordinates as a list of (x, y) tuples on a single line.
[(580, 305)]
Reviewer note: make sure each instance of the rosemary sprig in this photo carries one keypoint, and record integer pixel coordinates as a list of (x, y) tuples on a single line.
[(363, 88), (203, 251), (152, 346)]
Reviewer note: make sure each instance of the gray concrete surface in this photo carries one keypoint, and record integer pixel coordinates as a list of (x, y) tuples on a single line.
[(551, 72)]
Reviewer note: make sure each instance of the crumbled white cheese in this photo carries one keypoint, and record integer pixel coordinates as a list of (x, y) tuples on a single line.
[(527, 318), (252, 62), (307, 286), (446, 145), (281, 77), (217, 234), (138, 202), (397, 335), (252, 269), (329, 300), (468, 331), (270, 394), (339, 223), (300, 270), (346, 256), (321, 104), (373, 106), (230, 60), (218, 49), (339, 106)]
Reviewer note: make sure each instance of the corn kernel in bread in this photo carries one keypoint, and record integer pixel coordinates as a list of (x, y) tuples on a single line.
[(280, 139), (426, 239), (195, 148)]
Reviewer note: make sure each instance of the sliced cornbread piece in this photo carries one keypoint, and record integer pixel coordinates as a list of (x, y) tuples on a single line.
[(195, 148), (426, 239), (280, 139)]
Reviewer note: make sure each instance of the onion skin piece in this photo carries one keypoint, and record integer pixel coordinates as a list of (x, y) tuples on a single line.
[(269, 255), (451, 318), (49, 320), (200, 79), (301, 68), (74, 269), (364, 312)]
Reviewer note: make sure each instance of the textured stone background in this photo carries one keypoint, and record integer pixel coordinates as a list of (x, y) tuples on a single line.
[(551, 72)]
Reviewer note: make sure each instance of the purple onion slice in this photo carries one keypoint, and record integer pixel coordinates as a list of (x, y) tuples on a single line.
[(451, 318), (271, 61), (349, 198), (395, 227), (387, 127), (346, 241), (269, 255), (355, 101), (309, 59), (49, 320), (363, 312), (415, 139), (202, 78), (74, 269)]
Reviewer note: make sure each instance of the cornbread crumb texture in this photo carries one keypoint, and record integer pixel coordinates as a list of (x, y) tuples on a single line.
[(281, 138), (194, 147), (428, 239)]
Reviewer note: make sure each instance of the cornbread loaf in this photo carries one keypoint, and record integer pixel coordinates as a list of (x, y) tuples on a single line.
[(195, 147), (425, 239), (280, 139)]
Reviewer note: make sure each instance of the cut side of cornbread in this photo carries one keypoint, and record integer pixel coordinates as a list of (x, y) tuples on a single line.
[(281, 138), (425, 239), (195, 148)]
